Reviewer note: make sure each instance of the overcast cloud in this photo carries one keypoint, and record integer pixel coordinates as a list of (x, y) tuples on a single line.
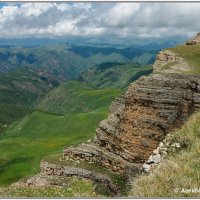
[(97, 19)]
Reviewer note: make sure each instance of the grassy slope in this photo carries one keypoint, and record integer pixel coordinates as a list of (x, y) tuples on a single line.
[(27, 141), (119, 76), (77, 188), (191, 53), (180, 170), (75, 97), (116, 75)]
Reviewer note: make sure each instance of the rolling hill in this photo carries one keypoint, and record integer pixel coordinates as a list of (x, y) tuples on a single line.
[(116, 75), (27, 141), (24, 143), (18, 90), (27, 73), (54, 60), (76, 97), (69, 61), (110, 54)]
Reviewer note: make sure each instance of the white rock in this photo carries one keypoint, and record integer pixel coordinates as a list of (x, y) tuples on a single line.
[(176, 145), (161, 144), (154, 159), (146, 167), (167, 144), (156, 151), (163, 149)]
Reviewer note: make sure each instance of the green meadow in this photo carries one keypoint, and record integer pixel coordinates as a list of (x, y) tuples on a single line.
[(53, 126), (76, 97), (27, 141)]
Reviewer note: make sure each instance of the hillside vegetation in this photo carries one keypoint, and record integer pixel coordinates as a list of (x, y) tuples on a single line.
[(27, 73), (115, 74), (76, 188), (76, 97), (99, 55), (56, 60), (44, 132)]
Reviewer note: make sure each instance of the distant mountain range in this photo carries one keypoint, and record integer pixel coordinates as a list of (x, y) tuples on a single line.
[(117, 42)]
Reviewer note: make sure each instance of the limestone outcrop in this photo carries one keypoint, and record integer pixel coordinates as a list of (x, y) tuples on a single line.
[(154, 105), (194, 41), (151, 107), (166, 57), (58, 170)]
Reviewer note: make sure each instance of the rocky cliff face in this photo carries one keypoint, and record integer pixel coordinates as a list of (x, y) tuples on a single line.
[(151, 107)]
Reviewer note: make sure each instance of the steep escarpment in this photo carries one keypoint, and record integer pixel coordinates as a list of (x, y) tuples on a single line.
[(153, 106)]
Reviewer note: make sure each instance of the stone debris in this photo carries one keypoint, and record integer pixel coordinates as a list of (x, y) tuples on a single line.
[(160, 153), (58, 170)]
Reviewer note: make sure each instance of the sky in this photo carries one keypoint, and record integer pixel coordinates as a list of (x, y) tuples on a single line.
[(145, 20)]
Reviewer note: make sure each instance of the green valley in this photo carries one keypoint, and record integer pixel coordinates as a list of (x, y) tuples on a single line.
[(18, 90), (27, 141), (76, 97)]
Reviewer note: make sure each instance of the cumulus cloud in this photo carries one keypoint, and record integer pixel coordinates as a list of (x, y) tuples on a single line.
[(97, 19)]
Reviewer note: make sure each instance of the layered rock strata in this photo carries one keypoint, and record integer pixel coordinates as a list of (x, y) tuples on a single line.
[(93, 153), (153, 106), (59, 170)]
